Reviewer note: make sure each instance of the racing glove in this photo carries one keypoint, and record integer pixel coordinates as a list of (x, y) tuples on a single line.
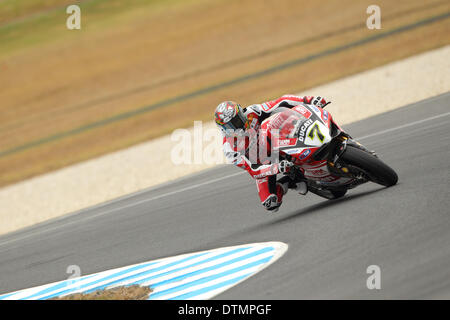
[(317, 101)]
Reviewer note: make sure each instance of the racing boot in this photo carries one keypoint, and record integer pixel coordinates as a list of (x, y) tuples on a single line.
[(288, 183)]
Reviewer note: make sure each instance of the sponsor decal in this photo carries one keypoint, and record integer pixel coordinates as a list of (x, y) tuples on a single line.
[(270, 170), (284, 142), (304, 154), (315, 108), (266, 107), (319, 172), (276, 121), (293, 150), (252, 121), (305, 112), (303, 128), (325, 115)]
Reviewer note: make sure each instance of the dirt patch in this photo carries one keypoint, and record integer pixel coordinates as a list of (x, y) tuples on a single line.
[(134, 292)]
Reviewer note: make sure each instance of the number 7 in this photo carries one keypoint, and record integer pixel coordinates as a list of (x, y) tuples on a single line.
[(315, 130)]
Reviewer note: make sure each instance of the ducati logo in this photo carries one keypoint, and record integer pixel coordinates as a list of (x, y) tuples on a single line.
[(303, 128)]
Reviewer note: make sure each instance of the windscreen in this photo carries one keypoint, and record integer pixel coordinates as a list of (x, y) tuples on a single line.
[(288, 123)]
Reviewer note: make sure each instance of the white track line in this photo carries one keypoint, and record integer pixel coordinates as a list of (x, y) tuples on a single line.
[(403, 126), (118, 208)]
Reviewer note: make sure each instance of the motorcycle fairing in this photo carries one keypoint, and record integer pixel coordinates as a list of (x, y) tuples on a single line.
[(306, 134)]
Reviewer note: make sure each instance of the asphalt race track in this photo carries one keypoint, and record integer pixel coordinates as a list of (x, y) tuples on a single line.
[(404, 229)]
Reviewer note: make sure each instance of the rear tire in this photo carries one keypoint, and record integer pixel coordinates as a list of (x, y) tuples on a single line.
[(377, 170)]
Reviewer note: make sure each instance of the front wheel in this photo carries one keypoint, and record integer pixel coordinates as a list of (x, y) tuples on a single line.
[(375, 169)]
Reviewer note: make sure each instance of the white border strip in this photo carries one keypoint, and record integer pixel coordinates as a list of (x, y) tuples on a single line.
[(202, 272)]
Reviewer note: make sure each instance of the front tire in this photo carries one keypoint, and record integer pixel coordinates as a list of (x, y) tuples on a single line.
[(375, 169)]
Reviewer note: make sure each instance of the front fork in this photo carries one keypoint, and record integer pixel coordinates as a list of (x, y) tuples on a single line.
[(340, 144)]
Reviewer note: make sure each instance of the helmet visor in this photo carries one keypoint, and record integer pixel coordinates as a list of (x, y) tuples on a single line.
[(238, 122)]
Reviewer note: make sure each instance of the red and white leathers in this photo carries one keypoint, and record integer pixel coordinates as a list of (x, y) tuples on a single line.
[(236, 151)]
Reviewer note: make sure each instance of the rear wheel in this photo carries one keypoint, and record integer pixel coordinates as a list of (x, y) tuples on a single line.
[(375, 169)]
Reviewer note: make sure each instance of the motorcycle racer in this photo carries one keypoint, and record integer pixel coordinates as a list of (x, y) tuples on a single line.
[(235, 121)]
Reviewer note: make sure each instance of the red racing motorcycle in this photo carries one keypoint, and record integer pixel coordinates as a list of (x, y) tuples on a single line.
[(330, 160)]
